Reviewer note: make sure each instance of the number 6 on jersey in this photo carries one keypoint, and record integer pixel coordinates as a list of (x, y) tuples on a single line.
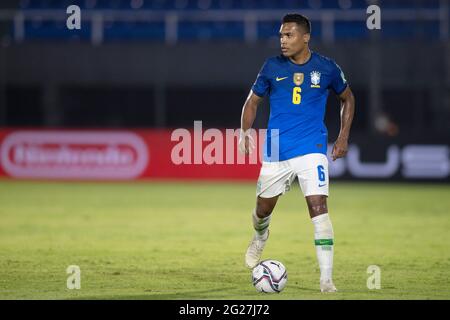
[(296, 97)]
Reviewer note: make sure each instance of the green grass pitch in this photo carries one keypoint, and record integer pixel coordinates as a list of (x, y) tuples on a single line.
[(161, 240)]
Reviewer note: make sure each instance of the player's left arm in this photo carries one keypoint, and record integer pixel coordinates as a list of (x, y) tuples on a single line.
[(347, 101)]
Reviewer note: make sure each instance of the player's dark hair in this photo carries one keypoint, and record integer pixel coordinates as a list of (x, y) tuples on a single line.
[(299, 19)]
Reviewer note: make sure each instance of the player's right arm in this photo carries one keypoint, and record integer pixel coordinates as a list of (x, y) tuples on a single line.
[(248, 116), (259, 89)]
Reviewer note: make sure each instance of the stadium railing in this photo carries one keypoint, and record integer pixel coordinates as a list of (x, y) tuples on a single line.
[(172, 26)]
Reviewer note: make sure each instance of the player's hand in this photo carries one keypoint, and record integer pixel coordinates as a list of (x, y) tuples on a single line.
[(340, 148), (246, 142)]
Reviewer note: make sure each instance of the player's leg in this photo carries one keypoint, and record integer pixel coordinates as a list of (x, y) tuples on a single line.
[(274, 180), (262, 215), (323, 239), (313, 179), (261, 219)]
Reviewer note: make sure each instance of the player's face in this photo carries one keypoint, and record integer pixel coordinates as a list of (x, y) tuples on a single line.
[(293, 39)]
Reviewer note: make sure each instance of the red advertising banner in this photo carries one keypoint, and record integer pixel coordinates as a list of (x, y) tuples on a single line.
[(209, 154), (123, 155)]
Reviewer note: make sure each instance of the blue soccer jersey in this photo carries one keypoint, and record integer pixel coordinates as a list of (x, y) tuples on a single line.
[(298, 96)]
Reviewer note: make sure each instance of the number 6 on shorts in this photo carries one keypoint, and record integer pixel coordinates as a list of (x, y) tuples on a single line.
[(321, 173)]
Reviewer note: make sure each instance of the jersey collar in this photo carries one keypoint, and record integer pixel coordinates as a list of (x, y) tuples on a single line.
[(301, 64)]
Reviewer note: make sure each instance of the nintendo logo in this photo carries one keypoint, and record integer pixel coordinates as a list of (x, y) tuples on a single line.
[(74, 155)]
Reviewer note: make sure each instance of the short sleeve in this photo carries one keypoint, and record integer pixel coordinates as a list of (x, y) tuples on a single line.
[(338, 81), (262, 83)]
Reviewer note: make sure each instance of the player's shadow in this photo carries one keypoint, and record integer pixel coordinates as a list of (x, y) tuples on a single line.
[(191, 295)]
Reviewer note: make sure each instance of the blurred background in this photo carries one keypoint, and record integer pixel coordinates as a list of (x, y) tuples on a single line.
[(141, 64), (102, 102)]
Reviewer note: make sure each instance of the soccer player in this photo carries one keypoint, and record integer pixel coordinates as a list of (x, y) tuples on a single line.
[(297, 82)]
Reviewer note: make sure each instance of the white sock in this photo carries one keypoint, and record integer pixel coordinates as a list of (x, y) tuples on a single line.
[(323, 236), (261, 226)]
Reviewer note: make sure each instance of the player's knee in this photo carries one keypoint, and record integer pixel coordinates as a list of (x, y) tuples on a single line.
[(263, 211), (264, 208), (317, 205)]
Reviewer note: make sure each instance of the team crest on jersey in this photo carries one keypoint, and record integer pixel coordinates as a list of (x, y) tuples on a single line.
[(315, 79), (298, 78)]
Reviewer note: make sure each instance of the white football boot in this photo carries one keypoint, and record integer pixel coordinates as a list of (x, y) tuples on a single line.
[(254, 251), (327, 286)]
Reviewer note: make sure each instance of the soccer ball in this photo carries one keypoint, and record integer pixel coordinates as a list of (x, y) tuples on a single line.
[(269, 276)]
